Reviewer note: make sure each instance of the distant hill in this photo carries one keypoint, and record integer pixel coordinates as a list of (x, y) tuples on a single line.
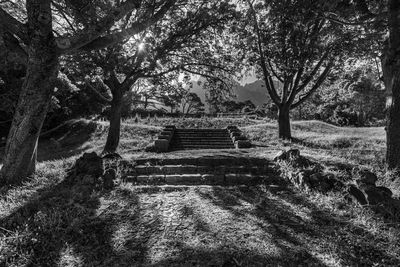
[(255, 92)]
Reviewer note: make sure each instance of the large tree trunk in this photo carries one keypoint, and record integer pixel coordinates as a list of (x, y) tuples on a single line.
[(284, 122), (115, 122), (35, 97), (391, 75)]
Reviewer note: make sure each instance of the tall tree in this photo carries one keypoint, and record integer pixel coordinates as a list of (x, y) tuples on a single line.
[(180, 42), (79, 26), (295, 47), (391, 77)]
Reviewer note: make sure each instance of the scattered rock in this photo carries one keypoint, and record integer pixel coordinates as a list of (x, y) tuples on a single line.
[(293, 154), (357, 195), (366, 177), (374, 196), (108, 179), (88, 180), (87, 170), (334, 183), (89, 164), (385, 190)]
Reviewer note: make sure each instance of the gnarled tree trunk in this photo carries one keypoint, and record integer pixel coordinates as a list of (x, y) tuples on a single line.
[(115, 122), (284, 122), (35, 97), (391, 75)]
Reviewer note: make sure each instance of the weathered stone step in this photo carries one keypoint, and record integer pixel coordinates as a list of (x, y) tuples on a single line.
[(190, 147), (203, 139), (200, 130), (205, 161), (202, 142), (201, 136), (205, 179), (192, 169)]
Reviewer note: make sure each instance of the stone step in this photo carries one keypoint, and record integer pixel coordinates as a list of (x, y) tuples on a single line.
[(203, 179), (192, 169), (205, 161), (200, 142), (193, 144), (190, 147), (200, 130), (201, 136)]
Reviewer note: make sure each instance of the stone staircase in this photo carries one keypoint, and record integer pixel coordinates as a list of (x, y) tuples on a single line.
[(172, 139), (185, 139), (200, 171)]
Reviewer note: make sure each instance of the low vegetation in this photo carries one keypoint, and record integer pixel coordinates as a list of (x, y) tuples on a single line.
[(46, 223)]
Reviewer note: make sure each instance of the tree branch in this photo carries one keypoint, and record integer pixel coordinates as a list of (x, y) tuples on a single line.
[(100, 97), (273, 71), (205, 75), (313, 72), (267, 77), (93, 40), (9, 23), (317, 84)]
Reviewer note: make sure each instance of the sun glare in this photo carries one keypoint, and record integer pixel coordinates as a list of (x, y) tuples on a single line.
[(141, 46)]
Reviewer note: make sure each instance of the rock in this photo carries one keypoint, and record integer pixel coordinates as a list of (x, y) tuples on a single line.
[(89, 164), (293, 153), (385, 190), (366, 177), (108, 179), (81, 193), (300, 162), (316, 178), (356, 194), (281, 155), (374, 196), (303, 178), (334, 183), (88, 180)]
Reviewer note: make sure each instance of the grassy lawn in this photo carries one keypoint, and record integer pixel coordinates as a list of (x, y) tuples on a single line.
[(45, 222)]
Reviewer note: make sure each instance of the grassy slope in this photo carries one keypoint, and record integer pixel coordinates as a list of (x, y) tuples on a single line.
[(41, 224)]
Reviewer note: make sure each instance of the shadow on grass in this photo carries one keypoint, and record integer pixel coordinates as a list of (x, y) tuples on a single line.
[(301, 239), (134, 227)]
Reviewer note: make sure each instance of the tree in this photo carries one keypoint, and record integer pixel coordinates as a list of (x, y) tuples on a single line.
[(191, 103), (81, 26), (294, 45), (178, 43), (391, 77), (375, 16)]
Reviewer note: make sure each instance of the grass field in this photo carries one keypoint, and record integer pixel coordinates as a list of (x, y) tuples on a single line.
[(42, 224)]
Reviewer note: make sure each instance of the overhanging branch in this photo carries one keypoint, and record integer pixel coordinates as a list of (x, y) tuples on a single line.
[(317, 84), (12, 25), (93, 40)]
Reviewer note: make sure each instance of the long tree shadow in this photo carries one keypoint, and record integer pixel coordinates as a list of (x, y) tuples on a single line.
[(131, 226), (318, 231), (61, 217)]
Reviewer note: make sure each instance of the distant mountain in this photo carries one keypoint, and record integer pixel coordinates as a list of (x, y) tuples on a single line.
[(255, 92)]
